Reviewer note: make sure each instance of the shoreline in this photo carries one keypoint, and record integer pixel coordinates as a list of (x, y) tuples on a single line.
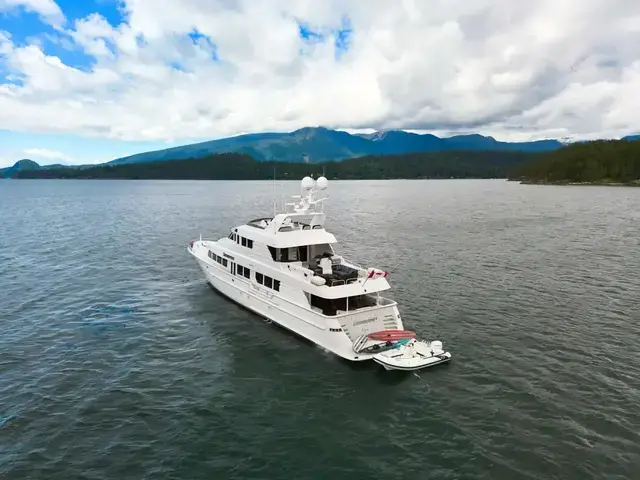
[(635, 183), (253, 179)]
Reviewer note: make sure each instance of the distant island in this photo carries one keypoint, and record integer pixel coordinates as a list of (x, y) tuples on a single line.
[(601, 162), (234, 166)]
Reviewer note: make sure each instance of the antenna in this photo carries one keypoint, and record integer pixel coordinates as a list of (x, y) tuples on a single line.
[(274, 191), (282, 195)]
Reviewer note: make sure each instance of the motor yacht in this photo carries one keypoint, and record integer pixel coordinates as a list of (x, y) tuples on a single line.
[(286, 268)]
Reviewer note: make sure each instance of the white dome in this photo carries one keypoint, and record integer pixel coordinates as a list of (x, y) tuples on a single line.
[(322, 183), (307, 183)]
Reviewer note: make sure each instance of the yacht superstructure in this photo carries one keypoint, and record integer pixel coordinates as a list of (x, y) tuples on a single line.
[(285, 269)]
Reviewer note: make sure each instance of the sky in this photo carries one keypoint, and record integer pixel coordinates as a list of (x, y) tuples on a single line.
[(87, 81)]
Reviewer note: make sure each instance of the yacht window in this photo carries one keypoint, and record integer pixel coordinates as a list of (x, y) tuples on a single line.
[(324, 304), (330, 306), (238, 239), (259, 278), (291, 254), (288, 254), (244, 242), (268, 282), (224, 262), (239, 270), (276, 285), (247, 273), (249, 243)]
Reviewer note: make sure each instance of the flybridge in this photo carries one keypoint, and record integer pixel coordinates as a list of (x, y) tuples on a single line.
[(301, 223)]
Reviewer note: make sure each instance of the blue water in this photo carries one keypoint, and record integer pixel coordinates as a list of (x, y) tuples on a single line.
[(118, 361)]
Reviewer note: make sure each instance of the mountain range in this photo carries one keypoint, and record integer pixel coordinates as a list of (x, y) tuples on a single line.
[(319, 144)]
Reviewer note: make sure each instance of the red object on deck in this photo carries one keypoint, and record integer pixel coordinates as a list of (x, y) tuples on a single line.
[(392, 335)]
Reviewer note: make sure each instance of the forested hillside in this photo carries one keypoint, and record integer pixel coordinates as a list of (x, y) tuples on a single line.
[(603, 161), (232, 166)]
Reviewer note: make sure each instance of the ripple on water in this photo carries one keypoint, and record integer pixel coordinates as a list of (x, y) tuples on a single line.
[(117, 360)]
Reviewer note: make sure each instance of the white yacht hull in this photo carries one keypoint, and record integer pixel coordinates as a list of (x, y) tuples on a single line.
[(408, 358), (272, 309)]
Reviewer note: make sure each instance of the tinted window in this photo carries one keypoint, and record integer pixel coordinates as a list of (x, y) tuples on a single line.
[(259, 278), (250, 243), (268, 282), (247, 273), (224, 262), (244, 242), (276, 285)]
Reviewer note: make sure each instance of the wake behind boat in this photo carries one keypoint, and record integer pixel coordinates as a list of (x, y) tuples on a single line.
[(285, 269)]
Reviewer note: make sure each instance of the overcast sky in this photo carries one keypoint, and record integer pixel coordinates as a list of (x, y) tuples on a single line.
[(85, 81)]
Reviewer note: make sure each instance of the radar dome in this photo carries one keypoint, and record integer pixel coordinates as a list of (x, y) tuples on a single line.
[(307, 183), (322, 183)]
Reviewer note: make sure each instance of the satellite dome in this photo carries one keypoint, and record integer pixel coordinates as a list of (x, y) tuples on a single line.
[(307, 183), (322, 183)]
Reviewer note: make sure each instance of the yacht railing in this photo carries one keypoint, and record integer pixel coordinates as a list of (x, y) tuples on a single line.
[(362, 272), (384, 301), (261, 223)]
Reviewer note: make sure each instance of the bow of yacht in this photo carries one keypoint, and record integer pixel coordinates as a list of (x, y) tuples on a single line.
[(285, 268)]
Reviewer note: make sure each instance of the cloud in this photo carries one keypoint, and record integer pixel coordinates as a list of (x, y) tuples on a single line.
[(195, 69), (47, 9), (43, 153)]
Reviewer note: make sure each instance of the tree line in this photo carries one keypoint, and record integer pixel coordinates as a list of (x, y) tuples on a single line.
[(602, 161), (234, 166), (605, 161)]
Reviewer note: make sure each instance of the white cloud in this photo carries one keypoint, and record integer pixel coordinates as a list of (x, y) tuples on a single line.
[(515, 70), (47, 9), (43, 153)]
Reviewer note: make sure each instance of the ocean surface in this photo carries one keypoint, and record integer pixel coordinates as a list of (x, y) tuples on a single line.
[(117, 361)]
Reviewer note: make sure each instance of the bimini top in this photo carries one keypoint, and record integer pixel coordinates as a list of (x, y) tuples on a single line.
[(302, 222)]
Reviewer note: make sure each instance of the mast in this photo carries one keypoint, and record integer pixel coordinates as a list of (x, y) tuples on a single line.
[(274, 191)]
